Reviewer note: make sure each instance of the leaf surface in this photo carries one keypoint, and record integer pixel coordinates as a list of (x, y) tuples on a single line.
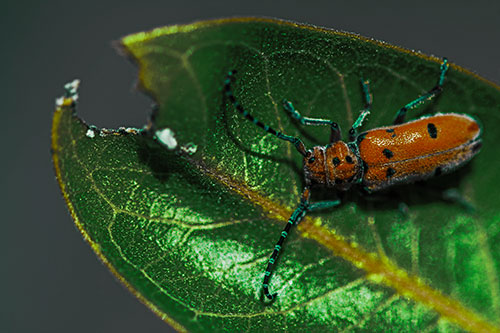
[(191, 235)]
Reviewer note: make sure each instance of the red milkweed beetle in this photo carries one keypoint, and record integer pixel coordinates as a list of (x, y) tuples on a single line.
[(378, 158)]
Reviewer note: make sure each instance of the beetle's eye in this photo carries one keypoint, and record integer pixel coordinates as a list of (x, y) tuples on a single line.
[(312, 159)]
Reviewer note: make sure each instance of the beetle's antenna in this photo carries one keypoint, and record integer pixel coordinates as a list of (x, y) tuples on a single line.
[(297, 215), (229, 94)]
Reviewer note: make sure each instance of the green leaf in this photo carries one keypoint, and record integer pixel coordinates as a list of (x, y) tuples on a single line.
[(190, 235)]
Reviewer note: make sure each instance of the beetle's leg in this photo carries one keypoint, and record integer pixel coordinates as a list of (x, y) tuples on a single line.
[(296, 217), (335, 134), (400, 116), (229, 94), (323, 205), (365, 112), (454, 195)]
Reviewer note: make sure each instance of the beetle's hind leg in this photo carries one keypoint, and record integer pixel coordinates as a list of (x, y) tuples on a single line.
[(453, 195), (401, 115)]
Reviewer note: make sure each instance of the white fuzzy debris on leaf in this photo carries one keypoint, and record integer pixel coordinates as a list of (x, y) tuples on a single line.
[(166, 138), (59, 101), (90, 133), (72, 86), (189, 148)]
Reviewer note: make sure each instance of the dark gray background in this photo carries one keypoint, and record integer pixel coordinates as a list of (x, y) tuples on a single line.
[(51, 281)]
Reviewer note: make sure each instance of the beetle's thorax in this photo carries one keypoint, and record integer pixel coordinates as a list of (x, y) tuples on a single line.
[(335, 165)]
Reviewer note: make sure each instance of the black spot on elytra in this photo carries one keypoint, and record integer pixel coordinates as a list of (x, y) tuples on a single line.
[(336, 161), (431, 128), (438, 171), (390, 172), (349, 159), (388, 153), (391, 130), (312, 159)]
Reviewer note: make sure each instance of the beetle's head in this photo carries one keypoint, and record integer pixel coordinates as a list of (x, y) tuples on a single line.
[(335, 165)]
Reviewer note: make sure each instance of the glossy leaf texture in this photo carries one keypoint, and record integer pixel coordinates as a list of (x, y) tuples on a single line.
[(190, 235)]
